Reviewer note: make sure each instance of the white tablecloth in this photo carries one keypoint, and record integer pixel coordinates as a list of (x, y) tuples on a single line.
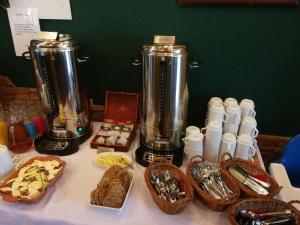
[(67, 202)]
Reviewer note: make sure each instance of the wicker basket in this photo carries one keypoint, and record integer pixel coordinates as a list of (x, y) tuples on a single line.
[(9, 92), (212, 203), (262, 206), (253, 170), (164, 205)]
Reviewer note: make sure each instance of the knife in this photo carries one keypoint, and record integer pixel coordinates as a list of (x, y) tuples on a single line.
[(245, 173), (247, 182)]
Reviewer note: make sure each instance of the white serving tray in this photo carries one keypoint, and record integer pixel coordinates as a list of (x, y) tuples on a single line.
[(116, 211), (288, 192)]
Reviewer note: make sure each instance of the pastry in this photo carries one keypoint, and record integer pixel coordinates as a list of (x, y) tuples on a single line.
[(111, 140), (100, 140), (113, 133), (122, 141), (130, 126)]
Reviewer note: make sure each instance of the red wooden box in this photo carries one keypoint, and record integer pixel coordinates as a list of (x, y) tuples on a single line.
[(121, 108)]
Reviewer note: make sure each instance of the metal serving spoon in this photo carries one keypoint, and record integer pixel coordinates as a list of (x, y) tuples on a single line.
[(253, 215), (275, 220)]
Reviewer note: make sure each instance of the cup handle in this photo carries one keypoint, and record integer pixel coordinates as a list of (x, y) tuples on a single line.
[(255, 133), (252, 151), (226, 117), (253, 113), (239, 117), (203, 129), (228, 146), (206, 122), (223, 157)]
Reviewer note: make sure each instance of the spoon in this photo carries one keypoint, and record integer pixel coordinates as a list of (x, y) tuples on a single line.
[(275, 220), (253, 215)]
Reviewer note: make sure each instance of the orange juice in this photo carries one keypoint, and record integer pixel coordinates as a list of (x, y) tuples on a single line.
[(3, 133)]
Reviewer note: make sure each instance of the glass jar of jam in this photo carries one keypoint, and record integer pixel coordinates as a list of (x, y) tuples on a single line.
[(19, 140), (3, 128)]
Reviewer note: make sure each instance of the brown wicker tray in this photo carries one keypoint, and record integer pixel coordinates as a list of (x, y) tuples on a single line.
[(253, 170), (212, 203), (261, 205), (164, 205)]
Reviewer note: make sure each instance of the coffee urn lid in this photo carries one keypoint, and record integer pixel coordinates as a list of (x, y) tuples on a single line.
[(164, 45), (63, 42)]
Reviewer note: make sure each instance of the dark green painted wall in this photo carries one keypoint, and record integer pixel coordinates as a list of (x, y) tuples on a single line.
[(247, 52)]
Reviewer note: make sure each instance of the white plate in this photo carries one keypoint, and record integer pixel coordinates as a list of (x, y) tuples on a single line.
[(116, 211)]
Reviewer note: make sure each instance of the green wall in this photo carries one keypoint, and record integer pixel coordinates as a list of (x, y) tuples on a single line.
[(246, 52)]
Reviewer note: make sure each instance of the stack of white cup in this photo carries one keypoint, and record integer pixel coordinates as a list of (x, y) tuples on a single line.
[(213, 137), (193, 142), (234, 119), (238, 124), (216, 111), (247, 108), (228, 144), (244, 148)]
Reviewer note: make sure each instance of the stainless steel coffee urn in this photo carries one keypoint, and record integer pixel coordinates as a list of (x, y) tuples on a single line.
[(164, 103), (64, 102)]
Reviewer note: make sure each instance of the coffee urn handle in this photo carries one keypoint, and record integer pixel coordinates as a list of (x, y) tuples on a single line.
[(194, 65), (26, 55), (136, 62), (83, 59)]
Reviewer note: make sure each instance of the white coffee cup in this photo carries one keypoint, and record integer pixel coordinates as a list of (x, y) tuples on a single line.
[(192, 130), (228, 144), (193, 145), (216, 113), (230, 101), (248, 126), (213, 136), (6, 163), (247, 108), (214, 101), (244, 147), (234, 119)]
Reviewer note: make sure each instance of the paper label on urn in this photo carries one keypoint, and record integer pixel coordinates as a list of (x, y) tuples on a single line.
[(24, 25)]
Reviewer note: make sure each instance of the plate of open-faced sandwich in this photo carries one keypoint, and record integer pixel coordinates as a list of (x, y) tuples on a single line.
[(30, 182)]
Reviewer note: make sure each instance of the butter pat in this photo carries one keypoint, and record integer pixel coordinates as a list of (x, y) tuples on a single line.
[(6, 164)]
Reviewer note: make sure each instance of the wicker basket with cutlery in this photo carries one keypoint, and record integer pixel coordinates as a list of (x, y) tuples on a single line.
[(216, 203), (263, 211), (252, 180)]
